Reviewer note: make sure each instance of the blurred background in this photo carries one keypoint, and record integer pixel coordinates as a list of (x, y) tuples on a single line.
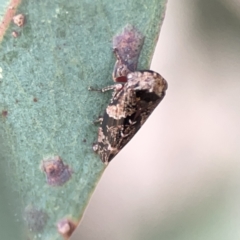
[(179, 178)]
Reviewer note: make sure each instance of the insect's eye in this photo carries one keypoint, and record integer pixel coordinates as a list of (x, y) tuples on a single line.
[(121, 79)]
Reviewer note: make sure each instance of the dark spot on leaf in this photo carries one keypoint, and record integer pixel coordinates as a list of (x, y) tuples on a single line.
[(56, 172), (4, 113), (127, 47), (35, 99), (19, 20), (35, 219), (66, 227)]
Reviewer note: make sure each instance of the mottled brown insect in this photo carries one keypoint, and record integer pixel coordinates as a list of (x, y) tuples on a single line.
[(127, 111)]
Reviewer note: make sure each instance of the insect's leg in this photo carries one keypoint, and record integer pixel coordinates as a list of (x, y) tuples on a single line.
[(116, 53), (99, 120), (115, 87)]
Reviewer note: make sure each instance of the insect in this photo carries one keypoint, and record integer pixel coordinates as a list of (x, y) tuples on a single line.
[(135, 95)]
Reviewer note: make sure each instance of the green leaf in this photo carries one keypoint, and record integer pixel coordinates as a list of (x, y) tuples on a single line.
[(47, 111)]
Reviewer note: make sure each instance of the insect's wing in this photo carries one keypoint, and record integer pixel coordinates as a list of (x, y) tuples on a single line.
[(115, 125)]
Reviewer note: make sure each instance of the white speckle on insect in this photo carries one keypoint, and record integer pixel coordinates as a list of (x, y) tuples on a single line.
[(57, 10), (66, 12), (0, 69), (1, 76)]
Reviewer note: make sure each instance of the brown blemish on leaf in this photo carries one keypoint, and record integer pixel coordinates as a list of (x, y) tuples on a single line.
[(35, 99), (7, 18), (4, 113), (15, 34), (35, 219), (19, 19), (127, 47), (56, 172), (66, 227)]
